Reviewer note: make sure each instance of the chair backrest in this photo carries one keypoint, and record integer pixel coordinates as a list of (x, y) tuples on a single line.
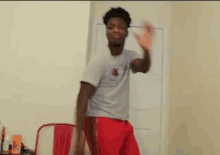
[(2, 134), (56, 139)]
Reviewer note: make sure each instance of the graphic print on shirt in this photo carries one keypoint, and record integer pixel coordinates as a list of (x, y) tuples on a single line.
[(113, 75), (115, 72)]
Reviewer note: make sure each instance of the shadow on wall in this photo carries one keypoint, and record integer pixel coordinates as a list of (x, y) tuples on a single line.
[(182, 141), (194, 108)]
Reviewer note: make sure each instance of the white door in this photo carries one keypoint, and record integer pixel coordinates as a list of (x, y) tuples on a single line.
[(145, 89), (145, 99)]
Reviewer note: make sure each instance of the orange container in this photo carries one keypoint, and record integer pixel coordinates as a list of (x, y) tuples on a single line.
[(16, 144)]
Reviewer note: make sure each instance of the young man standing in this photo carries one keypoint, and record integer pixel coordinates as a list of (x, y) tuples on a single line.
[(103, 101)]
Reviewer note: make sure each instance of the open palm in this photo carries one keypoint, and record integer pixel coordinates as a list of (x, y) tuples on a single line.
[(146, 40)]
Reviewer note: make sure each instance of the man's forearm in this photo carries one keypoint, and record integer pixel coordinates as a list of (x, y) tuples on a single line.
[(146, 63), (81, 113), (82, 103)]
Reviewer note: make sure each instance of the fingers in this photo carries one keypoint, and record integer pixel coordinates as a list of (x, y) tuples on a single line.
[(138, 37), (139, 40), (149, 29)]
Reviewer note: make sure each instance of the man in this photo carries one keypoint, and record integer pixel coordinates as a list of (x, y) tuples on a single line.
[(102, 105)]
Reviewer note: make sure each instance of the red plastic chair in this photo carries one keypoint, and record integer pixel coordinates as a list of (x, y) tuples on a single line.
[(2, 134), (57, 139)]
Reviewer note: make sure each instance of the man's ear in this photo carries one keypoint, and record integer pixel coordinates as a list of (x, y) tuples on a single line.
[(127, 33)]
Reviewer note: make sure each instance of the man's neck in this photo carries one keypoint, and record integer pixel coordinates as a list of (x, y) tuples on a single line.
[(116, 49)]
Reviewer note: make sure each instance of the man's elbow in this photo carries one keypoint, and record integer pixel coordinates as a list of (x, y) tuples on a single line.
[(145, 69)]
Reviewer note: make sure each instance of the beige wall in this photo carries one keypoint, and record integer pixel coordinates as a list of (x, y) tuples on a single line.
[(41, 66), (194, 88), (42, 56), (155, 12)]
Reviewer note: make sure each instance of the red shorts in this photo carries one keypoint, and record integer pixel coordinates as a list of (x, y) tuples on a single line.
[(107, 136)]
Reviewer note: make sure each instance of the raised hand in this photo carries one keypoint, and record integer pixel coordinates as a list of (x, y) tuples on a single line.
[(146, 40)]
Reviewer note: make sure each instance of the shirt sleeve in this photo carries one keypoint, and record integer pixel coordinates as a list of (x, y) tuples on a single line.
[(135, 55), (93, 72)]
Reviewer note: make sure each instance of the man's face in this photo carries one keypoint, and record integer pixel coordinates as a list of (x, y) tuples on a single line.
[(117, 30)]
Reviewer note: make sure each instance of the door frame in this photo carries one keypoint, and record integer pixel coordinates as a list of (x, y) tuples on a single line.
[(94, 22)]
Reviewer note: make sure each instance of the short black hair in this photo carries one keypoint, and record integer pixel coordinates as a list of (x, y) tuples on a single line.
[(117, 12)]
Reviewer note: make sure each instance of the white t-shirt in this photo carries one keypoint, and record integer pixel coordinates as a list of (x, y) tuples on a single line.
[(110, 75)]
